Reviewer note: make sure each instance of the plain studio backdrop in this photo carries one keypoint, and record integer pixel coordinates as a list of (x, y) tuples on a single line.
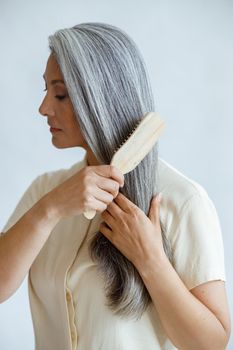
[(188, 49)]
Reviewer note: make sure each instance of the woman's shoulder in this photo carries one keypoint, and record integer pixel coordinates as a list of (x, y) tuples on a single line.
[(176, 185), (181, 195)]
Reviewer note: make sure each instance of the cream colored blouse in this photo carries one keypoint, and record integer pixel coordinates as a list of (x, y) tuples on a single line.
[(66, 292)]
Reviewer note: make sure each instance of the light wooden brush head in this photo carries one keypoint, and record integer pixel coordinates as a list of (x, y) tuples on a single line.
[(136, 146)]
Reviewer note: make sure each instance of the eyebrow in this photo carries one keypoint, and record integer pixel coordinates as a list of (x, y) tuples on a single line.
[(55, 81)]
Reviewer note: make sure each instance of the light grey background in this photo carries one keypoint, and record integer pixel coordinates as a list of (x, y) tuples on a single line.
[(188, 48)]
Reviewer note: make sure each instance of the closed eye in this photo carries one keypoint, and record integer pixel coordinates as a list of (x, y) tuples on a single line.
[(59, 97)]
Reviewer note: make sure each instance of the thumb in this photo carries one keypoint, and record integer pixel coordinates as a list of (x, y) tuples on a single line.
[(154, 208)]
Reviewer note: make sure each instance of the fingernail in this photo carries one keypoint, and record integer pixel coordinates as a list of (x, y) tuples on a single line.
[(159, 197)]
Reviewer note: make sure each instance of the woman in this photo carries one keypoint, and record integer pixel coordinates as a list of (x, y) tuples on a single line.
[(140, 275)]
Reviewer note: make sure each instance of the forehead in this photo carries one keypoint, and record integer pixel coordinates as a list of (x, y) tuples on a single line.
[(52, 68)]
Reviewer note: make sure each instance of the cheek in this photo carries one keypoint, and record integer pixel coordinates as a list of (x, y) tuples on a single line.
[(74, 128), (69, 121), (78, 134), (67, 117)]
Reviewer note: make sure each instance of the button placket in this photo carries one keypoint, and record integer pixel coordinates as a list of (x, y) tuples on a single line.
[(74, 339), (68, 296), (71, 312), (68, 293)]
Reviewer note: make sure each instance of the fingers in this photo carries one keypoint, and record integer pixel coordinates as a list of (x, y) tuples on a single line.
[(101, 206), (108, 185), (114, 209), (109, 220), (103, 196), (99, 189), (110, 171), (105, 230), (154, 208), (96, 205), (124, 203)]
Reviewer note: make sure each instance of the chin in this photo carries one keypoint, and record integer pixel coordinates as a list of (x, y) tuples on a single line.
[(60, 147), (64, 145)]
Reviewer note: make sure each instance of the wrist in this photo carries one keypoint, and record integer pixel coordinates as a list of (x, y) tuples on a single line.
[(153, 265), (48, 207)]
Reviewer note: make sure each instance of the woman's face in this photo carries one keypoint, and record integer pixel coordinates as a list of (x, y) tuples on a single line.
[(57, 107)]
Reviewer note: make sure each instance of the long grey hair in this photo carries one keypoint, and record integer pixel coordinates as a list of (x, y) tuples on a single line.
[(109, 88)]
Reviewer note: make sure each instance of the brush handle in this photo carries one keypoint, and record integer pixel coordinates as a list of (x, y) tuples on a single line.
[(136, 147), (89, 214)]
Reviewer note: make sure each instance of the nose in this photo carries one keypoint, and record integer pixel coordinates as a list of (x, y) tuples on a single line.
[(46, 108)]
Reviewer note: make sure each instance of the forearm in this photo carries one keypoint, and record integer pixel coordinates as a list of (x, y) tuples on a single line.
[(189, 324), (20, 245)]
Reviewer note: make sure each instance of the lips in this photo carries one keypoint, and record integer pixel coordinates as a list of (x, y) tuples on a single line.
[(53, 126), (54, 129)]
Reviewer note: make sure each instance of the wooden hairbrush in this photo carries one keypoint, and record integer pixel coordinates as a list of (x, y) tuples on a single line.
[(136, 146)]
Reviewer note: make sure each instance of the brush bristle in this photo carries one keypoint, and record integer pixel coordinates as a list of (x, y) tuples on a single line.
[(127, 137)]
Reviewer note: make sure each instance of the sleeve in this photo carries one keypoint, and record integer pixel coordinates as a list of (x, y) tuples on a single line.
[(198, 250), (32, 194)]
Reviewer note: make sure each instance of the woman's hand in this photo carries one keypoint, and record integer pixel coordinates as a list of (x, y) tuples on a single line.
[(93, 187), (137, 236)]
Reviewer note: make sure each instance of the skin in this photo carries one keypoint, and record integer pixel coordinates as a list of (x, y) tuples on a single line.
[(60, 112), (92, 186), (195, 319)]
